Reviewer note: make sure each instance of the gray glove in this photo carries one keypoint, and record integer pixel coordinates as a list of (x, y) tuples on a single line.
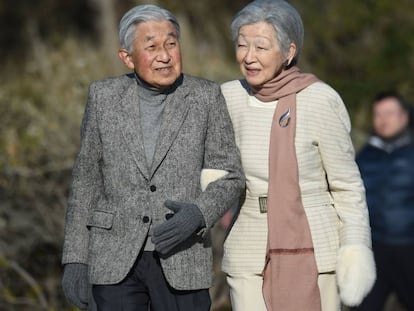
[(186, 220), (75, 284)]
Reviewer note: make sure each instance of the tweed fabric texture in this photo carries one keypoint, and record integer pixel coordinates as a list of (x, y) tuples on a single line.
[(115, 197)]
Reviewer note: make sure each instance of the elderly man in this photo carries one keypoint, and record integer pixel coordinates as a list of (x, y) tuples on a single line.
[(137, 222)]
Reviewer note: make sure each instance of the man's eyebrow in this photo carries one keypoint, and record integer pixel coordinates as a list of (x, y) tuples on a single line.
[(172, 34), (149, 38)]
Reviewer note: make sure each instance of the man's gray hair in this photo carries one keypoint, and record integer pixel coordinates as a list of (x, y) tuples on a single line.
[(281, 15), (139, 14)]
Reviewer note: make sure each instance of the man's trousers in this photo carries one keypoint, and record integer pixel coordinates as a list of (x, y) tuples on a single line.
[(145, 288)]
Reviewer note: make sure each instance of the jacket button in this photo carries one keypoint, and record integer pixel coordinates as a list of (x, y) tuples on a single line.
[(153, 188), (145, 219)]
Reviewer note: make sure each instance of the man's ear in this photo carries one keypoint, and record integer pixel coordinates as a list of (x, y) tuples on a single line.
[(126, 58)]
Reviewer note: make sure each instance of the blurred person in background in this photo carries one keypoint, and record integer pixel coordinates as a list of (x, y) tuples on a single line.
[(302, 232), (386, 163), (137, 222)]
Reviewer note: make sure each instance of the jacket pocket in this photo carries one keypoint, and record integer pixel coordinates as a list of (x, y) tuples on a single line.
[(100, 219)]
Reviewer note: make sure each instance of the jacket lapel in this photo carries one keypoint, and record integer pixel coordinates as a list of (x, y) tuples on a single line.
[(131, 127), (175, 112)]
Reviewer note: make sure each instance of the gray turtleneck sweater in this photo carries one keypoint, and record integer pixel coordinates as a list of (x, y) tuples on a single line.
[(151, 106)]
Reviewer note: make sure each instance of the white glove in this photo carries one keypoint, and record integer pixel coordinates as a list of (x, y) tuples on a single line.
[(209, 175), (356, 273)]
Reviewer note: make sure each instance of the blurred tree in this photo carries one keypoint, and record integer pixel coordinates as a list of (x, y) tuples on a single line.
[(51, 20), (106, 25), (360, 48)]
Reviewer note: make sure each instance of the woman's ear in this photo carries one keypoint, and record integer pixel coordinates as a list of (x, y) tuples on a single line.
[(126, 58), (291, 53)]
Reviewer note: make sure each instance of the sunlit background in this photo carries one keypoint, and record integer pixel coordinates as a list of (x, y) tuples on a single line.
[(50, 50)]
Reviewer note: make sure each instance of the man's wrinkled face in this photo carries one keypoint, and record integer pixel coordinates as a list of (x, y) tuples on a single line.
[(156, 55)]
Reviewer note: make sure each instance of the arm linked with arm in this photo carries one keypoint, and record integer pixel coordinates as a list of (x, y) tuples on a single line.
[(221, 157)]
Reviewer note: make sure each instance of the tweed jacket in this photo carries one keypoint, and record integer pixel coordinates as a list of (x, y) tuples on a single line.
[(332, 191), (115, 196)]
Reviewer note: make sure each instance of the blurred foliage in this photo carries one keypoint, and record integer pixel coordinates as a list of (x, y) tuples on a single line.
[(51, 50), (360, 48)]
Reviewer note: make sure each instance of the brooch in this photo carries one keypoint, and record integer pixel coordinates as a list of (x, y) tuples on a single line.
[(285, 119)]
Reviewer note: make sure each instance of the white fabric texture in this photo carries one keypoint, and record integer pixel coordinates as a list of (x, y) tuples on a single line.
[(246, 292), (332, 190), (329, 293), (209, 175), (356, 273)]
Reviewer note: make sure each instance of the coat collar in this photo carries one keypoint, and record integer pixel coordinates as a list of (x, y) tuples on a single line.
[(131, 127), (174, 114), (404, 139)]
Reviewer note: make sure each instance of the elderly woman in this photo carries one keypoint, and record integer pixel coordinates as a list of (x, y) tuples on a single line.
[(303, 229)]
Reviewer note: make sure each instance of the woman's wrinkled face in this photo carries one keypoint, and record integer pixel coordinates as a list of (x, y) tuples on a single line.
[(258, 53)]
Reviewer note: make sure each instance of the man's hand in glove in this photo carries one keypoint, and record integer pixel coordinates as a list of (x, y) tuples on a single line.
[(186, 220), (75, 284)]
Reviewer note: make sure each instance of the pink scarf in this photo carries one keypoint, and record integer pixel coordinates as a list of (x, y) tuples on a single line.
[(290, 276)]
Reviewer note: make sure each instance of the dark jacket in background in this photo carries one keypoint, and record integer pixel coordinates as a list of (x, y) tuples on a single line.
[(387, 169)]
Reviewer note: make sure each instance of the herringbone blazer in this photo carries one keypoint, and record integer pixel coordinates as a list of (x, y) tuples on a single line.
[(115, 196)]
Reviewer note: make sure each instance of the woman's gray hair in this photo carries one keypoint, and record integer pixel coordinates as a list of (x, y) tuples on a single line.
[(281, 15), (139, 14)]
